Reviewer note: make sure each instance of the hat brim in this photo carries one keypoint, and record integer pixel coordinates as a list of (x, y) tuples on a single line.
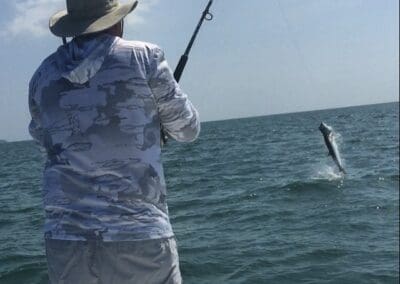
[(63, 25)]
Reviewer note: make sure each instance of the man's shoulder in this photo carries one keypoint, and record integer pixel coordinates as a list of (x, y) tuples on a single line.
[(49, 61), (45, 66), (141, 46)]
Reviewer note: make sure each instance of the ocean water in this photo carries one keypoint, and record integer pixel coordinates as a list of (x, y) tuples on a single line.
[(254, 200)]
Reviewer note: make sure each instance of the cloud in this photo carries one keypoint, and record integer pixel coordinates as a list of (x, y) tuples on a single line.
[(143, 8), (31, 17)]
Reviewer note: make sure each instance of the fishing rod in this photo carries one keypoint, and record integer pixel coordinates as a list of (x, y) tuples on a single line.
[(206, 16), (184, 58)]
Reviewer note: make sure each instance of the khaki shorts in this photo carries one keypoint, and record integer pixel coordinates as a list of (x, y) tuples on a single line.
[(142, 262)]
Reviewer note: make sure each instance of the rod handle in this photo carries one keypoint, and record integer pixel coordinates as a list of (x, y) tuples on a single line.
[(180, 67), (164, 137)]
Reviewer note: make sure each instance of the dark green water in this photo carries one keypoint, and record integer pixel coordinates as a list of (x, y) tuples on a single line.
[(252, 201)]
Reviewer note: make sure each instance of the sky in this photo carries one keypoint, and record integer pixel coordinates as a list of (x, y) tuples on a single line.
[(256, 57)]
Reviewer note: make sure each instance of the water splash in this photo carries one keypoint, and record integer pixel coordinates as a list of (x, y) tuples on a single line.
[(327, 173)]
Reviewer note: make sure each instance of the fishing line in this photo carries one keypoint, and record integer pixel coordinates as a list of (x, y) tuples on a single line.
[(295, 43), (311, 82)]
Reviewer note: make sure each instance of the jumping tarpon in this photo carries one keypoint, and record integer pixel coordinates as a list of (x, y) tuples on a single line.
[(330, 143)]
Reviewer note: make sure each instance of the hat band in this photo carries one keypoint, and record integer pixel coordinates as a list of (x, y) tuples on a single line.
[(93, 13)]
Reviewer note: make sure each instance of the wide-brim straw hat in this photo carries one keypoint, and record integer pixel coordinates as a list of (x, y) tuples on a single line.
[(89, 16)]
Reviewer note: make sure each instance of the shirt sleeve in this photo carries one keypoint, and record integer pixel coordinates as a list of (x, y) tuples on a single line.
[(179, 118), (35, 128)]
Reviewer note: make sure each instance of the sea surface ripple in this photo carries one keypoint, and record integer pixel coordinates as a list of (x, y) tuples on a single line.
[(254, 200)]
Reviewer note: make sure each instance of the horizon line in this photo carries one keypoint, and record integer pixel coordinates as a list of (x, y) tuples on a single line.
[(255, 116), (301, 111)]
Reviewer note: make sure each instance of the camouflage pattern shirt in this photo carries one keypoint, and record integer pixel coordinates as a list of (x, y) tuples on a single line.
[(97, 105)]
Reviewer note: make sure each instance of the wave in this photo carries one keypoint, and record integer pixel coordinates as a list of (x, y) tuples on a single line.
[(316, 184), (36, 273)]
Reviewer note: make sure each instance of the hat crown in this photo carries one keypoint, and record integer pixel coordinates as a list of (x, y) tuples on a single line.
[(90, 8), (89, 16)]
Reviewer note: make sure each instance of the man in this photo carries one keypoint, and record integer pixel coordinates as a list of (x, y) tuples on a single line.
[(97, 104)]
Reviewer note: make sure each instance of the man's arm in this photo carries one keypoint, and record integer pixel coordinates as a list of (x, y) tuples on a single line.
[(178, 116), (35, 128)]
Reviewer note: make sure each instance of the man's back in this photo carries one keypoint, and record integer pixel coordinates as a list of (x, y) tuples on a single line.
[(97, 105)]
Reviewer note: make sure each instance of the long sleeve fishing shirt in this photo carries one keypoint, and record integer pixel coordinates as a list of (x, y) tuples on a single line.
[(97, 106)]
